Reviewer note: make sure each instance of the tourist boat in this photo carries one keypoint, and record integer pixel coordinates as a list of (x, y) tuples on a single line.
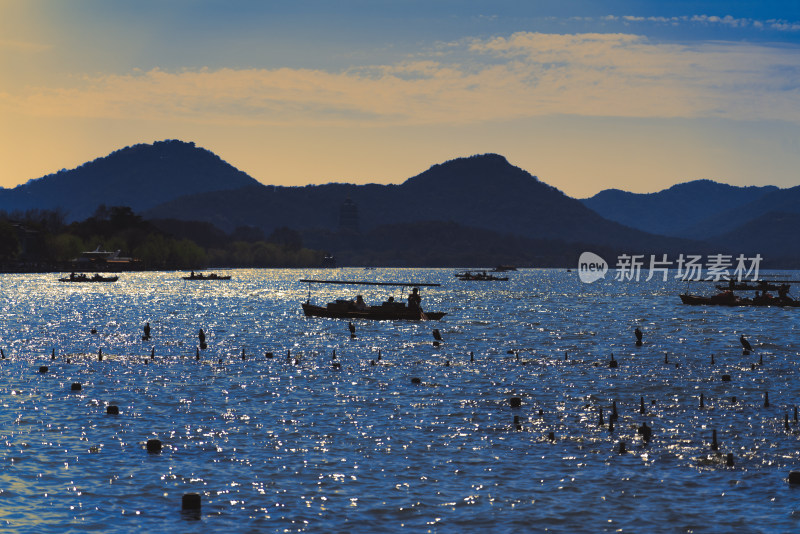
[(761, 298), (83, 278), (105, 260), (504, 268), (481, 276), (201, 276), (389, 310)]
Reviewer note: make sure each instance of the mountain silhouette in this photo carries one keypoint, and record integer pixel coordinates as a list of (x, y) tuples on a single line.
[(774, 235), (482, 191), (140, 176), (692, 209), (777, 201)]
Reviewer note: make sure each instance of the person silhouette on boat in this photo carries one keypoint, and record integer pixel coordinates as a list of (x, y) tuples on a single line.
[(360, 304), (414, 299)]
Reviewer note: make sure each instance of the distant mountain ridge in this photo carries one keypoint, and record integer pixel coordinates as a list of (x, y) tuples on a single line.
[(482, 198), (482, 191), (687, 210), (139, 176)]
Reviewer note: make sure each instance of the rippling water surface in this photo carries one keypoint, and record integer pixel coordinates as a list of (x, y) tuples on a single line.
[(277, 445)]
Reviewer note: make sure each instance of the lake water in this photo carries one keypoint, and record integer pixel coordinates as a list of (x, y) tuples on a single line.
[(274, 445)]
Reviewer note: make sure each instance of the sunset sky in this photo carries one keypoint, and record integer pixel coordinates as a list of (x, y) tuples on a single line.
[(587, 95)]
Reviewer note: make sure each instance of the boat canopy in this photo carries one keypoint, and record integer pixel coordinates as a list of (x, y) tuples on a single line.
[(349, 282)]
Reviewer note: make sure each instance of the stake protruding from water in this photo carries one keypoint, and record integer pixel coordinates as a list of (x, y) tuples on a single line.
[(42, 368), (766, 399), (646, 432), (714, 445), (191, 502), (112, 409), (154, 446), (76, 386), (515, 402)]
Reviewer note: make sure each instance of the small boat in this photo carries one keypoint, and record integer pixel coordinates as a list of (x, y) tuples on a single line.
[(481, 276), (81, 277), (389, 310), (201, 276)]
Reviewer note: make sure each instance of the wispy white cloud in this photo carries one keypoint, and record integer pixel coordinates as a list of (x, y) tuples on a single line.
[(704, 20), (520, 75)]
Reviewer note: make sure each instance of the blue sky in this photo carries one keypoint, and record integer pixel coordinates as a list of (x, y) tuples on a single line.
[(585, 95)]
